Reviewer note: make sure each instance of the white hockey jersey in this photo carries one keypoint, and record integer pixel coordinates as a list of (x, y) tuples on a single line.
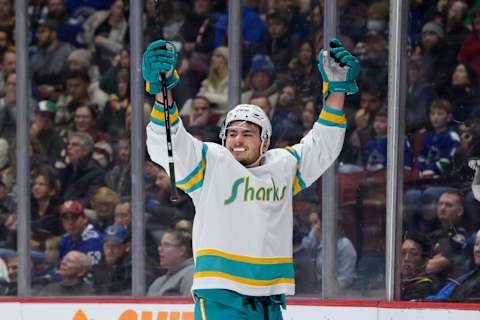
[(242, 233)]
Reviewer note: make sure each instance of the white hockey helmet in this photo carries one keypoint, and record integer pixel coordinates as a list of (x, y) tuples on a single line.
[(250, 113)]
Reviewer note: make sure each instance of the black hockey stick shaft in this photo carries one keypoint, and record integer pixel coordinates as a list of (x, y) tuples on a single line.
[(171, 164)]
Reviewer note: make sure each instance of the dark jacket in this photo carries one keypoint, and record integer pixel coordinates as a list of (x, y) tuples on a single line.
[(417, 287), (113, 281), (80, 182)]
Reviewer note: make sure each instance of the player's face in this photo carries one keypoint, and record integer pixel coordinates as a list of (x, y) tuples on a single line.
[(243, 141)]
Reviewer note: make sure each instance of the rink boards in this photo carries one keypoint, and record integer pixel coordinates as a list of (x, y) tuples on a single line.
[(182, 309)]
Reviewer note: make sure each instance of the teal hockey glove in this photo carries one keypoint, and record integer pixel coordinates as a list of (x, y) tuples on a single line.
[(160, 57), (339, 69)]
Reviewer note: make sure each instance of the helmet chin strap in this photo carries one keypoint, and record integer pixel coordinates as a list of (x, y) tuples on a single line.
[(258, 162)]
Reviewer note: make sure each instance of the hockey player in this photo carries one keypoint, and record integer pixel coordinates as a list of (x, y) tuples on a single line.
[(242, 233)]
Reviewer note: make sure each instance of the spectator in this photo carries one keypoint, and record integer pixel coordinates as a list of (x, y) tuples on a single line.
[(439, 144), (373, 58), (109, 79), (203, 117), (214, 87), (462, 92), (371, 100), (52, 254), (50, 59), (82, 176), (420, 95), (123, 214), (198, 33), (11, 261), (470, 49), (113, 275), (264, 103), (80, 234), (450, 258), (279, 46), (302, 70), (450, 215), (466, 286), (8, 121), (287, 111), (437, 58), (7, 16), (119, 177), (80, 91), (73, 6), (376, 148), (455, 30), (69, 28), (80, 60), (75, 265), (104, 33), (8, 67), (45, 221), (415, 283), (254, 33), (85, 119), (43, 130), (303, 266), (182, 208), (175, 250), (309, 114), (346, 258), (103, 203), (296, 22), (261, 80)]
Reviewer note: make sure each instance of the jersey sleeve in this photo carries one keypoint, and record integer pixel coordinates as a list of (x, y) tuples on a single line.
[(319, 148), (189, 154)]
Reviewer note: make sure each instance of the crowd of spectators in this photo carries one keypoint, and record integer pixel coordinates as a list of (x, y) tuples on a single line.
[(80, 113)]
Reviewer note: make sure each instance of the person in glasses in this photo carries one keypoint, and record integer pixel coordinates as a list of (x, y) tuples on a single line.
[(175, 251)]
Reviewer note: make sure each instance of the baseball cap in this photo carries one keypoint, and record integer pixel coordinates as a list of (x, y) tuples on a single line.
[(46, 106), (116, 233), (73, 207)]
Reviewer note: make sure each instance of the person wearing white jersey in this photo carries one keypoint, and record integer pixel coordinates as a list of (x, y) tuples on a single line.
[(242, 232)]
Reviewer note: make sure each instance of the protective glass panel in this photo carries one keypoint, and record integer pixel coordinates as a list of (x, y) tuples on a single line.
[(441, 217)]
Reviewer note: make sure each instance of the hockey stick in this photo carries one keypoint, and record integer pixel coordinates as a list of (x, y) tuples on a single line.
[(171, 164)]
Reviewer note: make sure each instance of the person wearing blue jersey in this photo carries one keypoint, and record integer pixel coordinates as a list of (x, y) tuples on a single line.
[(242, 191), (376, 148), (80, 234), (439, 144)]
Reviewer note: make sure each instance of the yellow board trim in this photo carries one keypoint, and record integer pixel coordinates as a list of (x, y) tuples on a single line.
[(202, 309), (212, 252), (161, 116), (259, 283), (325, 115)]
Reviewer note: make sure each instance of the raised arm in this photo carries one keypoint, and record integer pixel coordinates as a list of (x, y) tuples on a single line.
[(322, 145), (189, 154)]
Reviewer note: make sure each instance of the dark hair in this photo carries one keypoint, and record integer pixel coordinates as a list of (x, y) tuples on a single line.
[(422, 241), (184, 238), (383, 112), (50, 176), (78, 74)]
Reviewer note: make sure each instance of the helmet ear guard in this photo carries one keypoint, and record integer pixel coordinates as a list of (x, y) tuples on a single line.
[(250, 113)]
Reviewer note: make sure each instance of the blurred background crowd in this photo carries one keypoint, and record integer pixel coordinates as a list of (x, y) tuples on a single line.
[(80, 118)]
